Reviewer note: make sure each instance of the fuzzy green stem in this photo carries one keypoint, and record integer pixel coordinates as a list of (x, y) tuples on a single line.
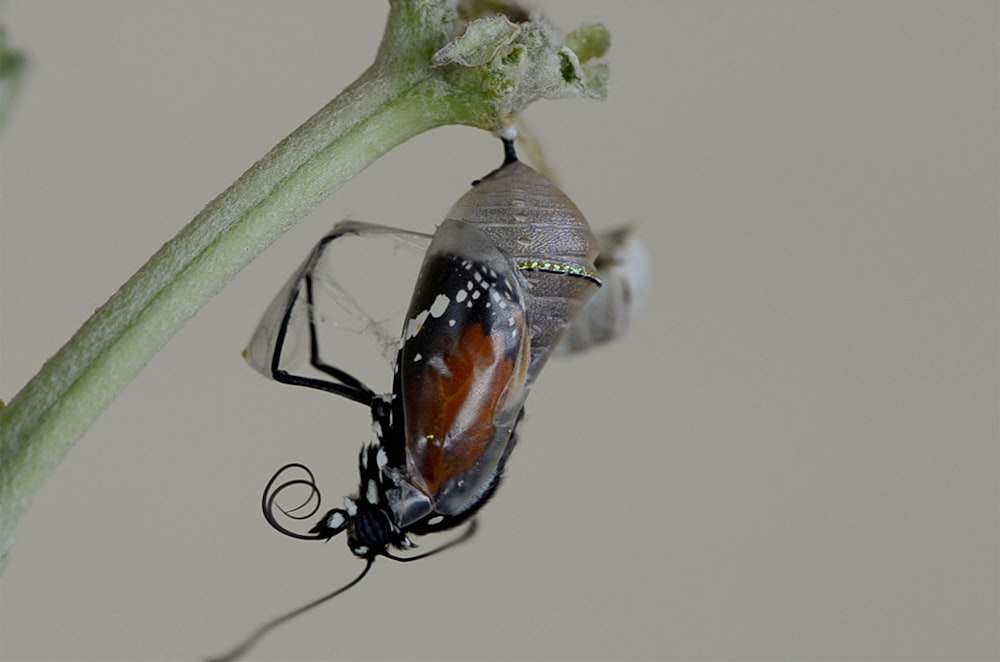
[(42, 421), (12, 68), (398, 97)]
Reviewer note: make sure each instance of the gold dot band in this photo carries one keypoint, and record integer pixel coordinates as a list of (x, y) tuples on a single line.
[(556, 268)]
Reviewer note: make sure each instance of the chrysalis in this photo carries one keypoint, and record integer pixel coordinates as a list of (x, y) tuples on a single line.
[(503, 278)]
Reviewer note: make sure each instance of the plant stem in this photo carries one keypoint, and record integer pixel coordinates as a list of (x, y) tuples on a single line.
[(43, 420), (398, 97), (12, 67)]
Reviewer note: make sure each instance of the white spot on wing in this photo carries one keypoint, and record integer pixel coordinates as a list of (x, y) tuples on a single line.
[(460, 297), (439, 306), (414, 325), (371, 494)]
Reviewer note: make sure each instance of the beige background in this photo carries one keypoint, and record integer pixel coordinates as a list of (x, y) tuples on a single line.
[(794, 455)]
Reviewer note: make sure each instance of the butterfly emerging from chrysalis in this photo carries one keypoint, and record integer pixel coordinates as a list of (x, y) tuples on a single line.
[(505, 277)]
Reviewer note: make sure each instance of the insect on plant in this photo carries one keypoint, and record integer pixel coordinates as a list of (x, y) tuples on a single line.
[(501, 282)]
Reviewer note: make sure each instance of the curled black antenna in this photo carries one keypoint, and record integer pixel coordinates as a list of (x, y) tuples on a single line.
[(268, 505), (257, 634)]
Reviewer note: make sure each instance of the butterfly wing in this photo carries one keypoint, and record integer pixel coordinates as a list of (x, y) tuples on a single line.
[(347, 298), (461, 377)]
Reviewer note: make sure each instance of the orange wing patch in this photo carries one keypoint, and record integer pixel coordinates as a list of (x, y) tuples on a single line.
[(450, 405)]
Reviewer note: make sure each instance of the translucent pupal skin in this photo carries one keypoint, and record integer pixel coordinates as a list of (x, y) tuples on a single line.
[(461, 375), (530, 220), (281, 345), (626, 276)]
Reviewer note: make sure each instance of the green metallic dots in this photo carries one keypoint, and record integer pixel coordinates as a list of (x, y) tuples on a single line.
[(556, 268)]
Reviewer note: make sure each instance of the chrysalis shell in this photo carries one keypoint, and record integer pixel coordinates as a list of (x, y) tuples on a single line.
[(535, 223)]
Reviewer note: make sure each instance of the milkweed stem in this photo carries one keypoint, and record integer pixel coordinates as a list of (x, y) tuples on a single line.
[(429, 71)]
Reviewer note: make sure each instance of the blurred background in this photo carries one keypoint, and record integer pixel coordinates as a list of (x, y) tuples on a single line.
[(794, 454)]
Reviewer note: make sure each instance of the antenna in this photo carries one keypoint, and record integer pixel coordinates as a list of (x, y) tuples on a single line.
[(257, 634), (243, 647)]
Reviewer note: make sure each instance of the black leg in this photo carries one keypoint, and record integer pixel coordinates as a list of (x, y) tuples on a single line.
[(314, 358), (341, 383), (346, 386)]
